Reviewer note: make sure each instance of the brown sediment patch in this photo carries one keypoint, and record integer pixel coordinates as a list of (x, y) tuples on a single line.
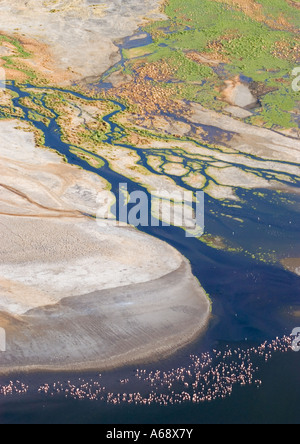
[(93, 161), (40, 61), (136, 139), (5, 98), (295, 4), (210, 59), (292, 264), (296, 313), (13, 74), (43, 62), (10, 323), (228, 89), (284, 50), (216, 51), (28, 103), (146, 92), (8, 45), (260, 89), (255, 11), (249, 7), (159, 71)]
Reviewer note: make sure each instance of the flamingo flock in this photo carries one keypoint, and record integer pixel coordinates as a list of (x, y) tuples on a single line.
[(208, 377)]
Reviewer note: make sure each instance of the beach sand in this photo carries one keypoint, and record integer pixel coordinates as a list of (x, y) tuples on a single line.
[(108, 328)]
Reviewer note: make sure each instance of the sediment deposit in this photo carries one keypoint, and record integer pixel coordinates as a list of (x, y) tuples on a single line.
[(74, 295)]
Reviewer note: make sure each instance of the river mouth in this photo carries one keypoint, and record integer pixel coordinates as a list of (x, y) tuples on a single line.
[(204, 259), (252, 299), (76, 295)]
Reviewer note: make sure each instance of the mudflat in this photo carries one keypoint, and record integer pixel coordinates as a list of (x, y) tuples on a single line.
[(81, 36), (74, 295)]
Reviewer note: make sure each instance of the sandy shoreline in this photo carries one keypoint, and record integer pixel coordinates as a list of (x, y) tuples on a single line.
[(113, 335), (74, 295)]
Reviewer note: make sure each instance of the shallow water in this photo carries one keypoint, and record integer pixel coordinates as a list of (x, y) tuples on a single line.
[(252, 300), (274, 401)]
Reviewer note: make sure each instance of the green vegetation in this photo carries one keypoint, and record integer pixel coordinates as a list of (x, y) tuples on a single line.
[(89, 158), (262, 44), (276, 108), (32, 115), (219, 243), (10, 113), (35, 103), (19, 48), (281, 8), (18, 53)]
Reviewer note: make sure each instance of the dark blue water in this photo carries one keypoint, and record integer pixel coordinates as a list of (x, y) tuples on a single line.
[(252, 301), (138, 40), (276, 402)]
